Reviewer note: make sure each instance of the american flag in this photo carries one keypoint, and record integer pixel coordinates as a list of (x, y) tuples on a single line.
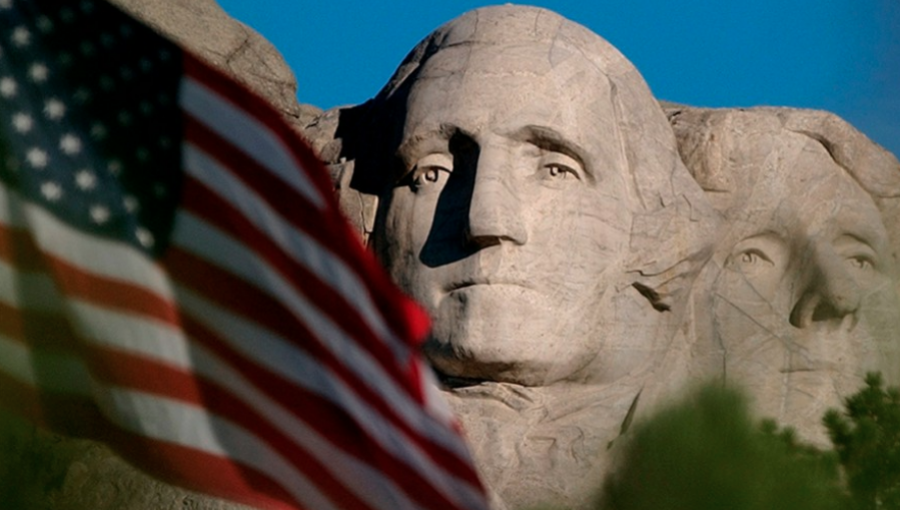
[(176, 280)]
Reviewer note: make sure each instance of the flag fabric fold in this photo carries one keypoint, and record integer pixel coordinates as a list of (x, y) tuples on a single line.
[(177, 281)]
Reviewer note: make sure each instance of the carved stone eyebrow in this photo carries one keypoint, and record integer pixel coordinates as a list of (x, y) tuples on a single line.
[(550, 139), (867, 237), (423, 140), (442, 133), (427, 140)]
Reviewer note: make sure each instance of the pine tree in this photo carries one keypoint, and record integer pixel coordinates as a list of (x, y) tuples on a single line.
[(866, 437)]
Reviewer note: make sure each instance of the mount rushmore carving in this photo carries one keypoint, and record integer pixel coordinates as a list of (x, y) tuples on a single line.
[(585, 253)]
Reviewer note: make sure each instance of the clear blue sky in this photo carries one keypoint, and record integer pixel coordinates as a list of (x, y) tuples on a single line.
[(837, 55)]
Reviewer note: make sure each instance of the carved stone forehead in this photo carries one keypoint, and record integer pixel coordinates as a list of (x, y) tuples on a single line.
[(529, 31), (729, 150), (649, 146), (513, 26), (664, 194)]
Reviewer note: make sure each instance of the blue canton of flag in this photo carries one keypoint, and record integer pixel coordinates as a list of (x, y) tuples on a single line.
[(102, 150)]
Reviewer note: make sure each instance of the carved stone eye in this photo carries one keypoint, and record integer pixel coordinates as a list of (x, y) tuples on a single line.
[(429, 176), (861, 263), (559, 171), (858, 255), (432, 174), (749, 257), (753, 258), (431, 170), (556, 166)]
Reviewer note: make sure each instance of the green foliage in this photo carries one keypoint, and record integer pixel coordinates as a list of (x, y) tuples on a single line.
[(29, 467), (706, 453), (866, 437)]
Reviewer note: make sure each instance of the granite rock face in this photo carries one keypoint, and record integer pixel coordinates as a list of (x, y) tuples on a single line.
[(799, 300), (40, 471), (206, 29)]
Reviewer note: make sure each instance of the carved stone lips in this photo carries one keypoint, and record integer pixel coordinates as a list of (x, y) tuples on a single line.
[(493, 281), (450, 381)]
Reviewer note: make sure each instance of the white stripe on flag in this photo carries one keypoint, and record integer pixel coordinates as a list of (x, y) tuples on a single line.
[(133, 334), (11, 208), (247, 133)]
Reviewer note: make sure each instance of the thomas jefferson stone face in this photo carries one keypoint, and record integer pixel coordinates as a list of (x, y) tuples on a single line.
[(511, 214), (812, 244), (805, 303)]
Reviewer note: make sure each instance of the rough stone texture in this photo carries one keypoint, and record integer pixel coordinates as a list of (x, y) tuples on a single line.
[(42, 471), (799, 300), (530, 196), (209, 31)]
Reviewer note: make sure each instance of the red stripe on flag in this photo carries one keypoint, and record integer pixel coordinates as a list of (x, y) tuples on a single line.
[(118, 368), (292, 206), (263, 112), (66, 414), (110, 293)]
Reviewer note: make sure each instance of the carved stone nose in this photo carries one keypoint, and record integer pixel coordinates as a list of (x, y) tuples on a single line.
[(495, 209), (831, 293)]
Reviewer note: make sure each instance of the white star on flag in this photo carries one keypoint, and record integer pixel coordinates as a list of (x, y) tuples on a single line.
[(54, 109), (37, 158), (21, 36), (39, 72), (22, 122), (99, 214), (51, 191), (85, 179), (70, 144), (8, 87)]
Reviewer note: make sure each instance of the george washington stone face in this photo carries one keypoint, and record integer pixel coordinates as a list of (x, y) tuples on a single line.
[(511, 208)]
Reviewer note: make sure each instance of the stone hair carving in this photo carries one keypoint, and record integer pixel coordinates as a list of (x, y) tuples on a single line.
[(801, 294), (531, 197)]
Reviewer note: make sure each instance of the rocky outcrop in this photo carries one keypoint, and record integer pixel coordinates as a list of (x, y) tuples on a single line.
[(206, 29)]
